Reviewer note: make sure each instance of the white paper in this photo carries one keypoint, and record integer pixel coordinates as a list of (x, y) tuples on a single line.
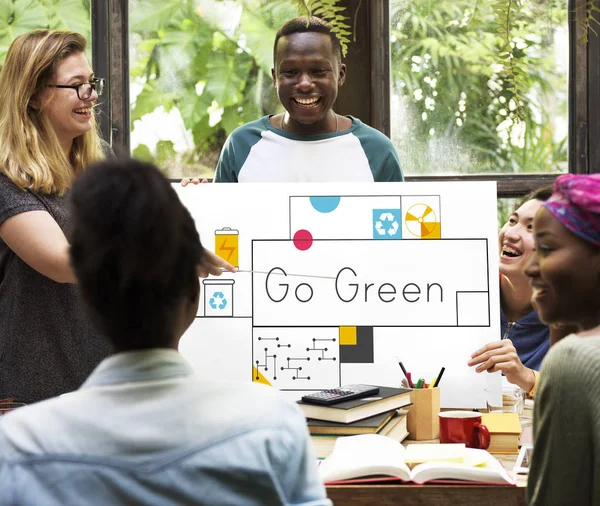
[(415, 268)]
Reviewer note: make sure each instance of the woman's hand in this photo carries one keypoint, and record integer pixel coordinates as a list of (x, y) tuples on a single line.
[(213, 264), (502, 356), (186, 180)]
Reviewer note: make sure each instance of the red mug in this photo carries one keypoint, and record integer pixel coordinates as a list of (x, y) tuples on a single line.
[(464, 427)]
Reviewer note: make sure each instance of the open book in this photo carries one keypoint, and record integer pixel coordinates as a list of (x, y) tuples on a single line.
[(374, 455)]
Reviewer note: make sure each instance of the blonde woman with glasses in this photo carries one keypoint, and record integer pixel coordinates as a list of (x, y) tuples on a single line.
[(48, 136)]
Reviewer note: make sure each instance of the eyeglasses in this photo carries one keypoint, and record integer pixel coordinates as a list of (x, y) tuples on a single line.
[(84, 90)]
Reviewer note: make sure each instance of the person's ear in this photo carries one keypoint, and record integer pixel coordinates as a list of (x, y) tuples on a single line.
[(342, 74), (189, 305), (274, 76), (195, 294), (34, 103), (39, 100), (596, 262)]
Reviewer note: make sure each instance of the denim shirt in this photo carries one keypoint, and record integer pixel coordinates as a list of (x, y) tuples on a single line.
[(144, 429)]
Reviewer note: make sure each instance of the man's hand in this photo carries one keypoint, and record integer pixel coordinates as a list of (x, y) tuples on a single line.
[(186, 180), (502, 356), (213, 264)]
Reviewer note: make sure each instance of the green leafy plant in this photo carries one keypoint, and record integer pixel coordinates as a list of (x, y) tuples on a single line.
[(455, 96), (515, 73), (21, 16), (331, 11), (590, 20)]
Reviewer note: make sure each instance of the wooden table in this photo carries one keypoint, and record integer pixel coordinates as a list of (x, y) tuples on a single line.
[(426, 495), (433, 495)]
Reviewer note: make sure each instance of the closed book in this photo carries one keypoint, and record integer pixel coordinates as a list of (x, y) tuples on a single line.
[(370, 425), (505, 432), (387, 399), (395, 428)]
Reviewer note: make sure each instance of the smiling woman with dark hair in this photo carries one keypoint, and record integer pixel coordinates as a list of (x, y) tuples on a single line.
[(565, 277), (524, 339)]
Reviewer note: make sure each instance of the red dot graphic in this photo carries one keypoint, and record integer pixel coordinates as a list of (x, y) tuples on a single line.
[(303, 240)]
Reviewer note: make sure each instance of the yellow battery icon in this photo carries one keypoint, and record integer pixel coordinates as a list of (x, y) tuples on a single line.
[(226, 245)]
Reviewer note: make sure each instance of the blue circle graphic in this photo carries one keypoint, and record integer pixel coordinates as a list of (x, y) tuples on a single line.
[(325, 204)]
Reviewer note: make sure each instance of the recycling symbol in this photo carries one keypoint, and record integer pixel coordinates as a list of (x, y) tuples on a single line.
[(218, 300), (386, 225)]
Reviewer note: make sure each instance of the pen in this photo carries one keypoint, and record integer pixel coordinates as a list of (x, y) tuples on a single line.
[(410, 383), (419, 383), (432, 384), (439, 378), (280, 273), (406, 374)]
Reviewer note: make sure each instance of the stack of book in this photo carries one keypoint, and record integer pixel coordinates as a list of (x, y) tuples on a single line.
[(380, 414), (505, 432)]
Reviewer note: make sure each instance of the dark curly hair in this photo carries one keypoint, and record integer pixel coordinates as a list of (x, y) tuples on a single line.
[(134, 249), (316, 25)]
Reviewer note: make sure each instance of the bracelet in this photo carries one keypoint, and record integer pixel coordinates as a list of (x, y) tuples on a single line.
[(531, 392)]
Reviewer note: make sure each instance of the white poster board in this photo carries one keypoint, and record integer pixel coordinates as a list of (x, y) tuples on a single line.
[(348, 279)]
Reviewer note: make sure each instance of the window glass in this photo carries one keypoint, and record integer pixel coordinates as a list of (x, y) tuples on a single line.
[(454, 109), (199, 69), (505, 207), (20, 16)]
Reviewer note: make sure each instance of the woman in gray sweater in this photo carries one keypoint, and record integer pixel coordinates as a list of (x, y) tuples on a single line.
[(565, 277)]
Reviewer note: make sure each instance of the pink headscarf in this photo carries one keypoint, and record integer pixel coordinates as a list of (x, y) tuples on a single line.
[(576, 204)]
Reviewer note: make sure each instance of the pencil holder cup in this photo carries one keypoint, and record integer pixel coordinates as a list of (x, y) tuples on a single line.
[(422, 421)]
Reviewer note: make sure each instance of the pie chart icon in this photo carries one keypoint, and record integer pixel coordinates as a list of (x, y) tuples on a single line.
[(421, 221)]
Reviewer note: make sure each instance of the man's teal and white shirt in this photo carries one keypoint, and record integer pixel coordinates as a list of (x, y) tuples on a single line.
[(259, 152)]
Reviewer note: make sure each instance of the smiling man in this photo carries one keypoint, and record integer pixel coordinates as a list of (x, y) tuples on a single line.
[(309, 142)]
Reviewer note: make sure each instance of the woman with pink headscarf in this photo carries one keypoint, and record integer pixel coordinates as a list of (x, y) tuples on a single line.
[(564, 274)]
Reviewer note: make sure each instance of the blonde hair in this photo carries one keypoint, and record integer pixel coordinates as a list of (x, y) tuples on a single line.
[(30, 153)]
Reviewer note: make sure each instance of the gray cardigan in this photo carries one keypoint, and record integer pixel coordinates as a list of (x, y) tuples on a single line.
[(565, 467)]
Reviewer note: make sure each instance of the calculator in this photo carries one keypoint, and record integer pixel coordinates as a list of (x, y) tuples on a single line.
[(341, 394)]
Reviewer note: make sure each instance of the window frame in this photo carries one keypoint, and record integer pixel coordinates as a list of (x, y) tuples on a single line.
[(368, 63), (110, 58)]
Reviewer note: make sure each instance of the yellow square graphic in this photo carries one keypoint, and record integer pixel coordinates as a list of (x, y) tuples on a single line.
[(433, 231), (348, 336)]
